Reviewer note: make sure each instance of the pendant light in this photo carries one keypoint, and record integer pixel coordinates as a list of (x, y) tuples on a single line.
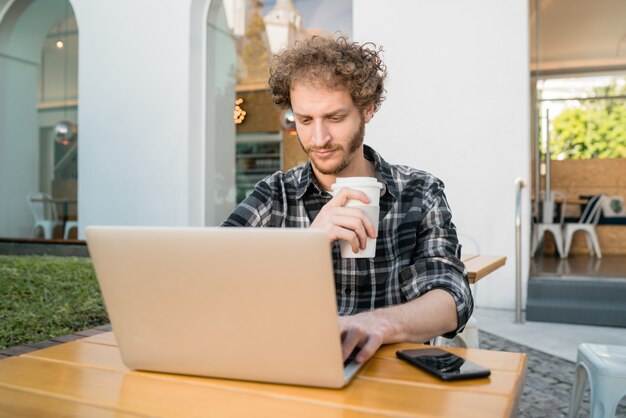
[(65, 132)]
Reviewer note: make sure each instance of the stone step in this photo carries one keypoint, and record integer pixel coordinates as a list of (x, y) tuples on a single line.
[(55, 247), (584, 300)]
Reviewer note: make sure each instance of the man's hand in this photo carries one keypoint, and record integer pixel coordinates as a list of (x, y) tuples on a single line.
[(416, 321), (365, 331), (347, 223)]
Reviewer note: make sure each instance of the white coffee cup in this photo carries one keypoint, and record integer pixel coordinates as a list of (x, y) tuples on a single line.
[(371, 187)]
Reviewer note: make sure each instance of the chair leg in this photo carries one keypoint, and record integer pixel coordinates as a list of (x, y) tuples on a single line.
[(593, 238), (48, 231), (579, 389), (589, 244), (567, 241), (533, 241), (469, 337), (596, 401), (558, 241), (610, 392)]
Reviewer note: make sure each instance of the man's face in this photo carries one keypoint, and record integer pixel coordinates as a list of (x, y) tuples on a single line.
[(330, 127)]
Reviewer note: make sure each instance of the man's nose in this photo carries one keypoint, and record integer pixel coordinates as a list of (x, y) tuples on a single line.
[(320, 133)]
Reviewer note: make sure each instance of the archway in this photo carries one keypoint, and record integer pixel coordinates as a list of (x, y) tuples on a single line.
[(38, 79)]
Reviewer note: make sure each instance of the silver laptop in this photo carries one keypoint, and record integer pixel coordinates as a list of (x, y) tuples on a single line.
[(238, 303)]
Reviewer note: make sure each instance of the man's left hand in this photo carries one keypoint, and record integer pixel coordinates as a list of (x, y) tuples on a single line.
[(365, 331), (418, 320)]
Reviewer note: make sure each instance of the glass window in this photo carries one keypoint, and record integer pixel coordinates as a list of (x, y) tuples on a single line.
[(259, 30), (587, 116)]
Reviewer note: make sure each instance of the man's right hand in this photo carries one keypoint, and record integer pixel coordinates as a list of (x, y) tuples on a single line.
[(347, 223)]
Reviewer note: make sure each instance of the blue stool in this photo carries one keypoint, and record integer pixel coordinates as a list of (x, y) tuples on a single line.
[(604, 366)]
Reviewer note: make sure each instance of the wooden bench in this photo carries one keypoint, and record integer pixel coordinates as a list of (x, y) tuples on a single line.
[(479, 266)]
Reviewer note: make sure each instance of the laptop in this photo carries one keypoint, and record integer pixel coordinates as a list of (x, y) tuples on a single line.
[(238, 303)]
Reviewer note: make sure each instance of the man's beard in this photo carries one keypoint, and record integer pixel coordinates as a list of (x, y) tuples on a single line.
[(354, 144)]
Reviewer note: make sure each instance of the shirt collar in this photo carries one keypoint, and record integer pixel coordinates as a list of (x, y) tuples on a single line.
[(383, 171), (307, 179), (382, 168)]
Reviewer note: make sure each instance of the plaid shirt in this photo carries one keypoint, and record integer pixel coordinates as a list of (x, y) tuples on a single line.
[(416, 250)]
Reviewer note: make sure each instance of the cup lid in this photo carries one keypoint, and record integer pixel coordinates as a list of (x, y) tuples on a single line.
[(356, 181)]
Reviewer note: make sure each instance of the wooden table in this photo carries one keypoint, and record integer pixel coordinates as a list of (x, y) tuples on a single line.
[(87, 378), (479, 266)]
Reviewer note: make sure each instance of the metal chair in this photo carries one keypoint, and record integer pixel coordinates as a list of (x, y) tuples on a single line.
[(587, 223), (547, 224), (44, 211), (604, 367)]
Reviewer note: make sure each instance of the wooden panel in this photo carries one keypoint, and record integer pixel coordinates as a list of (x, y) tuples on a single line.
[(394, 397), (480, 266), (385, 366), (589, 176), (90, 372), (107, 356), (84, 353), (152, 394), (17, 403)]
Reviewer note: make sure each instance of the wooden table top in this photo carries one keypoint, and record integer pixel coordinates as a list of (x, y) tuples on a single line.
[(87, 378), (479, 266)]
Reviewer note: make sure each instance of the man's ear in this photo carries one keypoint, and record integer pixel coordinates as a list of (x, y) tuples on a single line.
[(368, 113)]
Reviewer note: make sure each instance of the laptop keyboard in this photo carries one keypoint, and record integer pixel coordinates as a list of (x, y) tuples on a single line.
[(351, 357)]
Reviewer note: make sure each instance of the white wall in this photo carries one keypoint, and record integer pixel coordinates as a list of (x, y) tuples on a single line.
[(458, 107), (136, 148)]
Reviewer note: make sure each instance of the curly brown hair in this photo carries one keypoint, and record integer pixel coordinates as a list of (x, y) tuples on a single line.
[(334, 63)]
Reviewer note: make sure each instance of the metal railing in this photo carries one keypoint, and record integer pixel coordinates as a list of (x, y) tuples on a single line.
[(520, 184)]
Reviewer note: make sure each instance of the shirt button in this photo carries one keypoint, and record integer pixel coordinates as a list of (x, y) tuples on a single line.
[(348, 291)]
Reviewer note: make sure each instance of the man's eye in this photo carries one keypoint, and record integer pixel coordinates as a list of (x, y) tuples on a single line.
[(304, 121), (336, 118)]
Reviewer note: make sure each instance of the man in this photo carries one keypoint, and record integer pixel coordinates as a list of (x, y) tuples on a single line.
[(416, 287)]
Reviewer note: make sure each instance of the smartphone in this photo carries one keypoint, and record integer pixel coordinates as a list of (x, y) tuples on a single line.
[(443, 364)]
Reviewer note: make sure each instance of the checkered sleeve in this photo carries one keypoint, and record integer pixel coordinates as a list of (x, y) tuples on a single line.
[(437, 256), (255, 210)]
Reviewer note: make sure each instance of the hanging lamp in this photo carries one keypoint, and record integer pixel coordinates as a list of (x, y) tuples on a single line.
[(65, 132)]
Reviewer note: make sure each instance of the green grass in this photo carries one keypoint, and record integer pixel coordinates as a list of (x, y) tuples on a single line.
[(42, 297)]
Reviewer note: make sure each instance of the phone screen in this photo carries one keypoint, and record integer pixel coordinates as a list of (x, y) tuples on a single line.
[(443, 364)]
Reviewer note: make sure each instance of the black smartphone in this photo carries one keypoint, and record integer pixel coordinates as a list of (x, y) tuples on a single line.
[(443, 364)]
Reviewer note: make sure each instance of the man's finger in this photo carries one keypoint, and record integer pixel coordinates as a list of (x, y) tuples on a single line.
[(345, 194), (350, 342), (369, 348)]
